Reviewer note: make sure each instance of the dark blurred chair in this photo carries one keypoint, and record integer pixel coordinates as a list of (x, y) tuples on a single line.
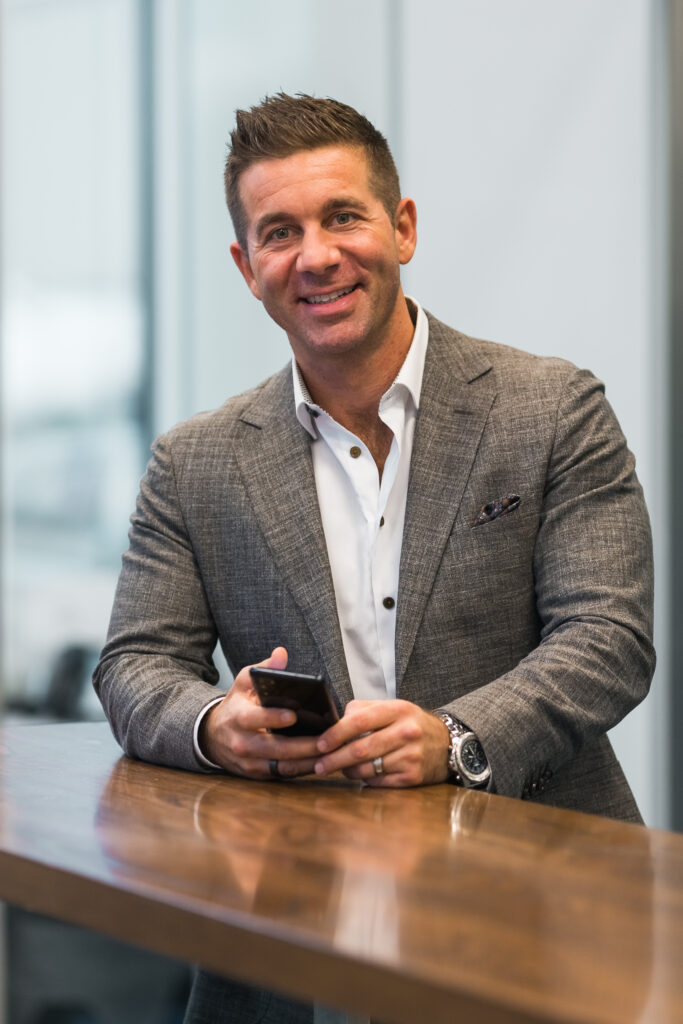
[(68, 681)]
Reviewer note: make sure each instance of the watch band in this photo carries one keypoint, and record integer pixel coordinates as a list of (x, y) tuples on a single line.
[(464, 742)]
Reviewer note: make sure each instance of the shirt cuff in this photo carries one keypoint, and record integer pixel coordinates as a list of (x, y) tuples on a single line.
[(204, 761)]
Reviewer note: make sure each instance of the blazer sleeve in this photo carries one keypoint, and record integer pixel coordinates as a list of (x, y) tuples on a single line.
[(593, 577), (156, 670)]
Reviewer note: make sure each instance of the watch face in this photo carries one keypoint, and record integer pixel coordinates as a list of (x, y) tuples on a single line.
[(473, 758)]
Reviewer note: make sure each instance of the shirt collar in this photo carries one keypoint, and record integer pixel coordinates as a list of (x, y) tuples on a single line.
[(409, 376)]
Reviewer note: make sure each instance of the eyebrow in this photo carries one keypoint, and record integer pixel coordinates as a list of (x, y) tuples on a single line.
[(345, 202), (338, 203)]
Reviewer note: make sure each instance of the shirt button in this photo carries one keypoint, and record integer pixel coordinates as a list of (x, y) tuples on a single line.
[(354, 452), (381, 522), (388, 602)]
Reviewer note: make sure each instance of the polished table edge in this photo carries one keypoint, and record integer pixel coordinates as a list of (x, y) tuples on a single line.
[(199, 931)]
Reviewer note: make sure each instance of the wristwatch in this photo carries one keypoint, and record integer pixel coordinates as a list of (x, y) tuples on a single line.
[(467, 761)]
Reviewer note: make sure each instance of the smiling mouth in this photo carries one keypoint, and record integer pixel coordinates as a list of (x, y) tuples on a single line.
[(321, 300)]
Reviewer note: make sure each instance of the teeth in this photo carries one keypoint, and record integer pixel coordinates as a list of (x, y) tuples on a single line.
[(318, 300)]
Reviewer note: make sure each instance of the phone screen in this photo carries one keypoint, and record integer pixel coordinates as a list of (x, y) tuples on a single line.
[(305, 694)]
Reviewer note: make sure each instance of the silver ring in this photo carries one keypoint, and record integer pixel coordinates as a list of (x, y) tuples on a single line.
[(274, 769), (378, 765)]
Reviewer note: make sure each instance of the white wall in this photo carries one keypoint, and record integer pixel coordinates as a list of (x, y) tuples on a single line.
[(533, 147)]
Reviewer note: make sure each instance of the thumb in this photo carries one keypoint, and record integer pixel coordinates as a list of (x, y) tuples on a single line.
[(277, 659)]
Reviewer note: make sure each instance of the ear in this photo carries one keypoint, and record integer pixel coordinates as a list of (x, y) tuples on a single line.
[(243, 265), (406, 230)]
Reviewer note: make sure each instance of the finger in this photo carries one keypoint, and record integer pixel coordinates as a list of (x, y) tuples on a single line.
[(406, 765), (394, 777), (260, 728), (255, 717), (282, 748), (359, 717), (275, 768), (291, 762), (292, 769), (380, 766), (361, 752), (248, 745)]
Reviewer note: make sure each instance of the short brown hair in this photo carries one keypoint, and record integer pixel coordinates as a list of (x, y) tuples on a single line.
[(282, 125)]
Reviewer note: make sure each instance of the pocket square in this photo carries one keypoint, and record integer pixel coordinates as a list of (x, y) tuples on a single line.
[(500, 507)]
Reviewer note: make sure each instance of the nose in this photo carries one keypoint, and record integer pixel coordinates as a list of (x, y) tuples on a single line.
[(318, 252)]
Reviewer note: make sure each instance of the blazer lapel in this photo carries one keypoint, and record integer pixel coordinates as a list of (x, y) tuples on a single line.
[(275, 462), (457, 394)]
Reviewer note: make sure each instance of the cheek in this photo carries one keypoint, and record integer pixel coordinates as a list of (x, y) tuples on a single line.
[(272, 278), (388, 270)]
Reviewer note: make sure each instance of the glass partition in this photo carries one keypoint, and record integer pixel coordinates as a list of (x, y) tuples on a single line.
[(73, 337)]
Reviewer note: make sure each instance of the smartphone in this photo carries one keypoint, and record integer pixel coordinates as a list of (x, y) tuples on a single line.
[(307, 695)]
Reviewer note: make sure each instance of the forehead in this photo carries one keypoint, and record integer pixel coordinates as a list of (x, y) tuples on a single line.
[(304, 179)]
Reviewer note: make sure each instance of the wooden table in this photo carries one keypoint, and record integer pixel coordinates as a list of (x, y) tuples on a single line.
[(428, 905)]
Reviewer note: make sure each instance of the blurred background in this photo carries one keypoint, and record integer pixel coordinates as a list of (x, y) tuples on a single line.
[(539, 141)]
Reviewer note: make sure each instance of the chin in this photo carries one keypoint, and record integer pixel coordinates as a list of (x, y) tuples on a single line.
[(341, 345)]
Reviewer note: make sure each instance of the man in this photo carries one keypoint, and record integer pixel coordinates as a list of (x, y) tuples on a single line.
[(450, 530)]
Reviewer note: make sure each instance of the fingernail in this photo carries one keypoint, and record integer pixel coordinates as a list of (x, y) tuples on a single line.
[(322, 746), (319, 768)]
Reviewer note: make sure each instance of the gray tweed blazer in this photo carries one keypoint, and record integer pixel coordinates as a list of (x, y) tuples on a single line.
[(533, 626)]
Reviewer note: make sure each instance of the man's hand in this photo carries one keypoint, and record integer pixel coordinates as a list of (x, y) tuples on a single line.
[(412, 743), (234, 733)]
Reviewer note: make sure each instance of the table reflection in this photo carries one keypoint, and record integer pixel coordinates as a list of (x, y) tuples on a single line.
[(424, 876)]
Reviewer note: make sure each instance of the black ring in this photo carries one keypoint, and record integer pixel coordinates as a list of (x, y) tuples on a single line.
[(274, 769)]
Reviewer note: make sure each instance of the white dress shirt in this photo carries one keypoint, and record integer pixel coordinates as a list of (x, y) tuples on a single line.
[(363, 518)]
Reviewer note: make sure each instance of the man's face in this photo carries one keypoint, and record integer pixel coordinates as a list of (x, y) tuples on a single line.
[(322, 254)]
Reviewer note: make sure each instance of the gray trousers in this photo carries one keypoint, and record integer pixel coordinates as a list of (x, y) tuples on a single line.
[(218, 1000), (214, 1000)]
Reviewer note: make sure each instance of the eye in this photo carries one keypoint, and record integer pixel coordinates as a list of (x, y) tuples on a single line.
[(343, 218), (280, 234)]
